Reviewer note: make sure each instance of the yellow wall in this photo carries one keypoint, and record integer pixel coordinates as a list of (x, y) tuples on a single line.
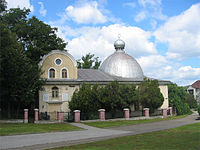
[(164, 91), (53, 104), (49, 62)]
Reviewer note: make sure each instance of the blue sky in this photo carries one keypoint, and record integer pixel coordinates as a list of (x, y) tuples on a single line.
[(163, 36)]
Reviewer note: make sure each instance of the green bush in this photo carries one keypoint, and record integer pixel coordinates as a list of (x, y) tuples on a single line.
[(111, 97), (150, 95), (179, 98)]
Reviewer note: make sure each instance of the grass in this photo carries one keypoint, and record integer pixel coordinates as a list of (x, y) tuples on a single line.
[(107, 124), (182, 138), (19, 128)]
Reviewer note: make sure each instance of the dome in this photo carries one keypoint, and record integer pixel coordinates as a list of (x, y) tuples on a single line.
[(119, 44), (121, 64)]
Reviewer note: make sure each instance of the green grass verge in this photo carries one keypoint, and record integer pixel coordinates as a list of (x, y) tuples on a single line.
[(183, 138), (108, 124), (19, 128)]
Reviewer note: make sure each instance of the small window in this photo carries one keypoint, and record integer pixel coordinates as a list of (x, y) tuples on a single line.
[(191, 92), (58, 61), (51, 73), (64, 73), (54, 92)]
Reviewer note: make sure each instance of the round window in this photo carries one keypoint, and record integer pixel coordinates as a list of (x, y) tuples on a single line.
[(58, 61)]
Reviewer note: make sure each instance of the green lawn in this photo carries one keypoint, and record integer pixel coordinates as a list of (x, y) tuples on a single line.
[(182, 138), (107, 124), (20, 128)]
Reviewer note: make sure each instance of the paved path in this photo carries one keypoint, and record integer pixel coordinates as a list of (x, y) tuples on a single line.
[(90, 134)]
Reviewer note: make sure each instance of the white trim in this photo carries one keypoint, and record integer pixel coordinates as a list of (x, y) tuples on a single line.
[(55, 61), (55, 73), (64, 52), (61, 73)]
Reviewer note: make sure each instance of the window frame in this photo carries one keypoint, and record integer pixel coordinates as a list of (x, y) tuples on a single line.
[(55, 92), (49, 73), (61, 73)]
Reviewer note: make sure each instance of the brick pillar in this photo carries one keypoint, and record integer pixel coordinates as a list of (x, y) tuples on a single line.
[(36, 116), (77, 115), (25, 115), (170, 111), (146, 112), (175, 113), (101, 114), (126, 113), (164, 111), (60, 116)]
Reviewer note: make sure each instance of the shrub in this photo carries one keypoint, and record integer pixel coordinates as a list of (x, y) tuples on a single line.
[(150, 95)]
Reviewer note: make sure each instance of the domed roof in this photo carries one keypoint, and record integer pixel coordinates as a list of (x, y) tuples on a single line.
[(119, 44), (121, 64)]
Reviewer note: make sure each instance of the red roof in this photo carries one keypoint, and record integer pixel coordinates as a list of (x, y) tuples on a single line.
[(196, 84)]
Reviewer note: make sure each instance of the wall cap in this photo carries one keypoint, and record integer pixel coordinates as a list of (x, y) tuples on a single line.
[(101, 110)]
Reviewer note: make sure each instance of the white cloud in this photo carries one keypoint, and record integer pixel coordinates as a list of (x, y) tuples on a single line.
[(130, 4), (99, 40), (140, 16), (182, 34), (43, 11), (19, 4), (151, 3), (150, 9), (159, 67), (86, 13)]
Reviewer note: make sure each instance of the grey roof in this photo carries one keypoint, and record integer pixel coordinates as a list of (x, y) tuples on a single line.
[(95, 76)]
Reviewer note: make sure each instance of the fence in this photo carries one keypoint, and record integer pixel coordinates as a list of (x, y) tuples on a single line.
[(35, 116)]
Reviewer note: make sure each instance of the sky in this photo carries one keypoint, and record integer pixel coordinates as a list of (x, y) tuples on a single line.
[(162, 35)]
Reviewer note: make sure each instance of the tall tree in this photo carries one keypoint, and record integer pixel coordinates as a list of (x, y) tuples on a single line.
[(18, 76), (23, 41), (89, 61), (178, 98), (2, 6), (37, 37), (150, 95)]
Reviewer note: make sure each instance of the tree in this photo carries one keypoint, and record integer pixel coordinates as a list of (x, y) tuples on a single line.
[(112, 97), (23, 41), (191, 101), (37, 37), (86, 100), (2, 6), (150, 95), (18, 76), (89, 61), (177, 99)]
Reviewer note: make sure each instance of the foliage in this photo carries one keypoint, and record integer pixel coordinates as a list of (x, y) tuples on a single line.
[(89, 61), (150, 95), (23, 41), (177, 99), (36, 37), (116, 97), (111, 97), (18, 75), (86, 99), (2, 6), (190, 100)]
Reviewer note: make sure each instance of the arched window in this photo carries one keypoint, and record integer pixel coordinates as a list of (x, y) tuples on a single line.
[(51, 73), (55, 92), (64, 73)]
